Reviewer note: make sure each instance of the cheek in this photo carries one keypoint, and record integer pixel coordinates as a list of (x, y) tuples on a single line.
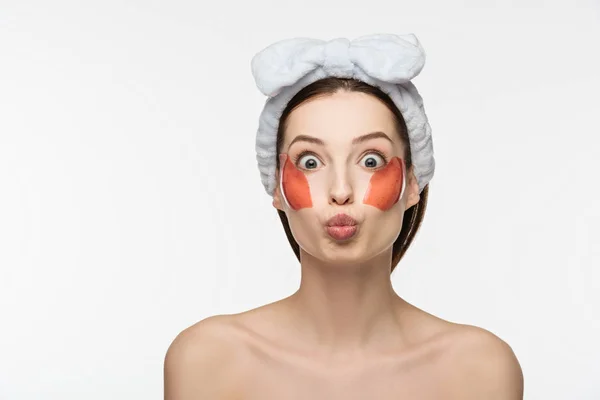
[(386, 185), (294, 185)]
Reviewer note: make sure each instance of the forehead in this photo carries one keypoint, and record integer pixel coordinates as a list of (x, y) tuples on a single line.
[(340, 117)]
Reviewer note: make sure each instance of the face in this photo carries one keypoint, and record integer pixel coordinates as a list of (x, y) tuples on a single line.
[(342, 156)]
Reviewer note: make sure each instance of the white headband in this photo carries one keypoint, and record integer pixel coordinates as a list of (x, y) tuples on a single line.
[(386, 61)]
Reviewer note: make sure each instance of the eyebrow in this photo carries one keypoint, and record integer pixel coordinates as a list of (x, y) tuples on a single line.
[(355, 141)]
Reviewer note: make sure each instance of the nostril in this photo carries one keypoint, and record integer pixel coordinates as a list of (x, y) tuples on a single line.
[(341, 200)]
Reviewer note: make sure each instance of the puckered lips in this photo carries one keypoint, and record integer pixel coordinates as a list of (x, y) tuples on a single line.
[(341, 227)]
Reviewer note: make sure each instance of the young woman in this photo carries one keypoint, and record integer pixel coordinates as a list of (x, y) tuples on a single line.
[(344, 148)]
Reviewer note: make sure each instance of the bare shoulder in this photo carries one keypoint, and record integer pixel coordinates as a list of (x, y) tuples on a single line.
[(200, 360), (483, 365)]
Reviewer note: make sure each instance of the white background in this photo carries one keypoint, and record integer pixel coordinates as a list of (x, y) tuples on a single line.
[(131, 205)]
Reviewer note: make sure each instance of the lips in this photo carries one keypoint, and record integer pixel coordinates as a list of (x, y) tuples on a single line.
[(341, 220), (341, 227)]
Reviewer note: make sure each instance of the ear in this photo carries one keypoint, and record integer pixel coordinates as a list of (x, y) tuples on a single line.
[(412, 189)]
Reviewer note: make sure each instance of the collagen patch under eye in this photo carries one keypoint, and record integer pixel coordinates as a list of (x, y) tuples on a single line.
[(294, 185), (386, 185)]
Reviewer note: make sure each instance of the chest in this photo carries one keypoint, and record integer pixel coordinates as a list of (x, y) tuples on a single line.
[(384, 380)]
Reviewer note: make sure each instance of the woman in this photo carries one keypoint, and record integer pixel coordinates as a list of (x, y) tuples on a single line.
[(344, 148)]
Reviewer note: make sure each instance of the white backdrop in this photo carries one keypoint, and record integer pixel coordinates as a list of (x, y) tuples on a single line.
[(131, 205)]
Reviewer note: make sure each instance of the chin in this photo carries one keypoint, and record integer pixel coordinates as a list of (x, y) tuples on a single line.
[(353, 251)]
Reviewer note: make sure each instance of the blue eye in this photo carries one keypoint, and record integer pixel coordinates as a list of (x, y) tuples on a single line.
[(373, 160)]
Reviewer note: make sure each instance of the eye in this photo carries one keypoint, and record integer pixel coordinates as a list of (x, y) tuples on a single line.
[(373, 160), (308, 161)]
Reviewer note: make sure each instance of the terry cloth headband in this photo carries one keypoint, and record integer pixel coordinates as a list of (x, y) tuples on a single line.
[(387, 61)]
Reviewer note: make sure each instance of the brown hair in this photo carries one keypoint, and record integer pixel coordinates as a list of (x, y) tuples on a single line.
[(412, 216)]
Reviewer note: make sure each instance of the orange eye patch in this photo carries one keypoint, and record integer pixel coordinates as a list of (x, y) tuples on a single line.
[(386, 185), (294, 185)]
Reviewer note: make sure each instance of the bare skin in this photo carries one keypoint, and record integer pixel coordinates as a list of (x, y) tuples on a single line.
[(345, 333), (258, 354)]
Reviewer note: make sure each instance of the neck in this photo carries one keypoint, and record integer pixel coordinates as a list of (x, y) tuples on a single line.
[(346, 309)]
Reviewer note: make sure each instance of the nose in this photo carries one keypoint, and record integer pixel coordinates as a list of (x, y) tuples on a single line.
[(341, 191)]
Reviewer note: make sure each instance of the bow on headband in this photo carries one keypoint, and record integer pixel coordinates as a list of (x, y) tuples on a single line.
[(389, 58)]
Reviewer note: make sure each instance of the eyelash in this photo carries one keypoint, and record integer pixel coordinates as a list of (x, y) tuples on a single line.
[(306, 151)]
